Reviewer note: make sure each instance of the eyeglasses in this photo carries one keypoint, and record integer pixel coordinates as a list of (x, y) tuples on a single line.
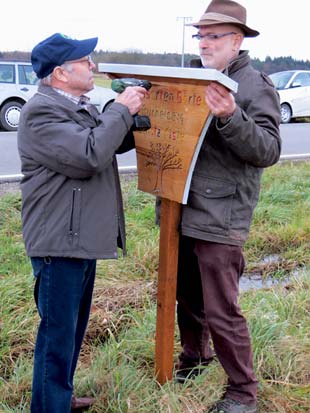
[(211, 36), (87, 59)]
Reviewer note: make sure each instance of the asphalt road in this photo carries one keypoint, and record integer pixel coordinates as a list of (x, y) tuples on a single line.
[(295, 137)]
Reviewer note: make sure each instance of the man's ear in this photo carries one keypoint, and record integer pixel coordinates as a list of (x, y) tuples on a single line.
[(60, 74), (238, 39)]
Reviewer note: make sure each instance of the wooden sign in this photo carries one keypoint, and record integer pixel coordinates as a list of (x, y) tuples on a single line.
[(166, 156), (167, 153)]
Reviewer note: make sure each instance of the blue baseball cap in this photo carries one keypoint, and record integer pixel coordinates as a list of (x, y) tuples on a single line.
[(57, 49)]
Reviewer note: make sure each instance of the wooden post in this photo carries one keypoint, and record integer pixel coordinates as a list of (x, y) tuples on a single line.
[(166, 292)]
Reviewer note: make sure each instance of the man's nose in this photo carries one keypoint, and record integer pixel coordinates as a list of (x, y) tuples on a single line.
[(204, 42)]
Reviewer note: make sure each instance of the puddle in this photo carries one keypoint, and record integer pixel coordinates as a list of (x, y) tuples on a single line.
[(255, 281), (271, 259)]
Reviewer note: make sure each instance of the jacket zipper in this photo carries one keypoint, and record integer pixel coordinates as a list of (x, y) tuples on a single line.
[(72, 213)]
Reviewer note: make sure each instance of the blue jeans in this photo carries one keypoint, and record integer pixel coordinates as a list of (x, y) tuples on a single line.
[(63, 294)]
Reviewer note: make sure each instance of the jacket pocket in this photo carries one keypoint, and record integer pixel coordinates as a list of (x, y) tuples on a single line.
[(210, 199), (75, 214)]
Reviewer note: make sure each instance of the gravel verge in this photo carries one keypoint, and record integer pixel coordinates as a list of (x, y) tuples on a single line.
[(9, 187)]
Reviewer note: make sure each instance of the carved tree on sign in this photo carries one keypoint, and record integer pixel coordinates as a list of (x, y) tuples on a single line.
[(162, 158)]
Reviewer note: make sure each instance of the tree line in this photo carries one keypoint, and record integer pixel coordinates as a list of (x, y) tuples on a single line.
[(269, 65)]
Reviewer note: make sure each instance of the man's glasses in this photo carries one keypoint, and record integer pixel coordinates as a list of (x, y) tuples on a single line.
[(211, 36), (87, 59)]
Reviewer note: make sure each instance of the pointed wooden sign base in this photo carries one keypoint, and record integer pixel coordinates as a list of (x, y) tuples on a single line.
[(166, 157)]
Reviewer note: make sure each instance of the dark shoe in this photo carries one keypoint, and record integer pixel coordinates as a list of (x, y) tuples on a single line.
[(190, 373), (228, 405), (80, 404), (187, 374), (189, 369)]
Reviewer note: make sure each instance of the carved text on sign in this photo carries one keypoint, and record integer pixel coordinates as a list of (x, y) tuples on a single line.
[(179, 96)]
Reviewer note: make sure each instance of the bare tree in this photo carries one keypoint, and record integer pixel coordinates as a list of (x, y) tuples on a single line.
[(162, 158)]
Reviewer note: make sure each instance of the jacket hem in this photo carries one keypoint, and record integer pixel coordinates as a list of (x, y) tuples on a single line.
[(74, 254), (205, 236)]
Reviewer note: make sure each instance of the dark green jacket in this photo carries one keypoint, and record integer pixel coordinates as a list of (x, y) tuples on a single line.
[(71, 196), (226, 181)]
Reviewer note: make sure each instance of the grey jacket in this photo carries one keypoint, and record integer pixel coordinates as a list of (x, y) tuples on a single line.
[(71, 196), (226, 181)]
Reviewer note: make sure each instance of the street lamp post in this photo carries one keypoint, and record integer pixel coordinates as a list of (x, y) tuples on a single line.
[(184, 18)]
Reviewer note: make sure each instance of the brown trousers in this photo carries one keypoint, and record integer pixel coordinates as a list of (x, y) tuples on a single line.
[(207, 296)]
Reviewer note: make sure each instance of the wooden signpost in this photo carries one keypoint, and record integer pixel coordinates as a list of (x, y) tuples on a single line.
[(166, 156)]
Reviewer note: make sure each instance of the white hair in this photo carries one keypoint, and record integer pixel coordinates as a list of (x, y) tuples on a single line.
[(48, 79)]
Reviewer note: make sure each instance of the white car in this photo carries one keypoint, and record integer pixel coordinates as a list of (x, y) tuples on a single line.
[(294, 90), (18, 82)]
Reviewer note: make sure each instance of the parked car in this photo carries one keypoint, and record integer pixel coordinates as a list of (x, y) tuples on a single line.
[(18, 82), (294, 90)]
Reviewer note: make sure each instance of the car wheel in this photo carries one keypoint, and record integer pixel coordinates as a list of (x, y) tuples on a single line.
[(9, 115), (286, 113)]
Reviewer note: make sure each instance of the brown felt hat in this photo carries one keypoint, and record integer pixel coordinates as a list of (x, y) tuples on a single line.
[(226, 11)]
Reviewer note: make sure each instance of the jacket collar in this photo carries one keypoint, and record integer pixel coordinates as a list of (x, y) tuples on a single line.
[(53, 94), (243, 59)]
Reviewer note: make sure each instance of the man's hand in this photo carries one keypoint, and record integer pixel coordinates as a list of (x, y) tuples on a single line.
[(132, 97), (220, 100)]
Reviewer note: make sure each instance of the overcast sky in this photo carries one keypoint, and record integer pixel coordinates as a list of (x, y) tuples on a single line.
[(152, 26)]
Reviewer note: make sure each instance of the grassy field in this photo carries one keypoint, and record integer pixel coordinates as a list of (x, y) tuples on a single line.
[(117, 360)]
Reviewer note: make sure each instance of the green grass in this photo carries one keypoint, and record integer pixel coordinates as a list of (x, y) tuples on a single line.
[(282, 220), (117, 359)]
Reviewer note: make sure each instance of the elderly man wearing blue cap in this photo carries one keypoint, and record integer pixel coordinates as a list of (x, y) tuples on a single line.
[(72, 210)]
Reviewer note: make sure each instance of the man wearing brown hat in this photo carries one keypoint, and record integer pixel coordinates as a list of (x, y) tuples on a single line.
[(71, 205), (243, 138)]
